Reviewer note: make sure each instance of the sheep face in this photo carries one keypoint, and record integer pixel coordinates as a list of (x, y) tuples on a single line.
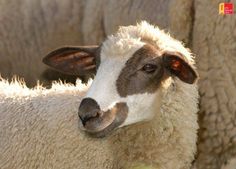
[(130, 77)]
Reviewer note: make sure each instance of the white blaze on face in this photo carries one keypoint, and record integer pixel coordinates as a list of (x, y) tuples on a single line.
[(141, 107), (104, 88)]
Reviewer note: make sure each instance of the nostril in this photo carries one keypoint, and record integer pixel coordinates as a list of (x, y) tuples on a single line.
[(82, 120), (88, 117)]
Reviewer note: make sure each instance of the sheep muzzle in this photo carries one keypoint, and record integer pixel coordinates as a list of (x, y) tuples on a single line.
[(100, 123)]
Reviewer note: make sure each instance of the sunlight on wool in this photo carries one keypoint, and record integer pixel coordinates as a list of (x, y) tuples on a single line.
[(17, 87)]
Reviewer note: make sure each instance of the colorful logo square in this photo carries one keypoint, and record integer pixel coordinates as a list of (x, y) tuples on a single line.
[(226, 8)]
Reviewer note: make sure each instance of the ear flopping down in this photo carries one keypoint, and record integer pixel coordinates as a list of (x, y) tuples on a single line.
[(126, 88)]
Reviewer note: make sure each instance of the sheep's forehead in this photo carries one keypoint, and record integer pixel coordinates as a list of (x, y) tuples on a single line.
[(116, 47), (129, 39)]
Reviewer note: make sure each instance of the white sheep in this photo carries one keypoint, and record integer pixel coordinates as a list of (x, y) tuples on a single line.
[(143, 77)]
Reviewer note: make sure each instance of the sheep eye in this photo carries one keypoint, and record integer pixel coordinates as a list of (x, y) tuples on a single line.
[(149, 68)]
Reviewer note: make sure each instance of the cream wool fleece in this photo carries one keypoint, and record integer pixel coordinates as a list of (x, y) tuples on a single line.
[(39, 129)]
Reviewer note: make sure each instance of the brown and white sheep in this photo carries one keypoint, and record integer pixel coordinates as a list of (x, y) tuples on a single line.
[(211, 36), (144, 85)]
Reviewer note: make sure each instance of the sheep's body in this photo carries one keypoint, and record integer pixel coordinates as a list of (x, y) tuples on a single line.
[(39, 129), (214, 42)]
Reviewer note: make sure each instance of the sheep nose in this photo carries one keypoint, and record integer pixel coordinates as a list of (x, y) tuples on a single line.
[(88, 109)]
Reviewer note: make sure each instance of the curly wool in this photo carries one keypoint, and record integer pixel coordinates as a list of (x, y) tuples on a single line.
[(39, 129)]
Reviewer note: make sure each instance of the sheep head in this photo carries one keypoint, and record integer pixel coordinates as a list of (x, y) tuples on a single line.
[(132, 68)]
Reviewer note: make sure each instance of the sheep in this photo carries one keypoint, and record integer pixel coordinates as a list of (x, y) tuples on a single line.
[(186, 20), (139, 111), (214, 44)]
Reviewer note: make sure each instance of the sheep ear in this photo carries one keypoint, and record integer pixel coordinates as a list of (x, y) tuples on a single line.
[(177, 66), (77, 61)]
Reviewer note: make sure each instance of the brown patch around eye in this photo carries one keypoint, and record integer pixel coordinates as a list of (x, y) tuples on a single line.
[(133, 80)]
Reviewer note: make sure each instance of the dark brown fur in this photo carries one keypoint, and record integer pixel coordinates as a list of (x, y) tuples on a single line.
[(133, 79)]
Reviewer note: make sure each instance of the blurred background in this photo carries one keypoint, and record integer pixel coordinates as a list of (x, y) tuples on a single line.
[(29, 29)]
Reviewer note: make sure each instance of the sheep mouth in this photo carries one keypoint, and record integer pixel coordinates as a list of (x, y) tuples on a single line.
[(105, 122)]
